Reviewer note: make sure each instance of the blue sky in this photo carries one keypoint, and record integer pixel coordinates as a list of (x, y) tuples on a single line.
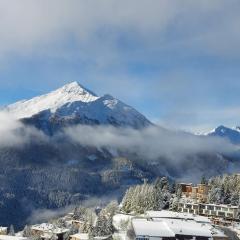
[(177, 62)]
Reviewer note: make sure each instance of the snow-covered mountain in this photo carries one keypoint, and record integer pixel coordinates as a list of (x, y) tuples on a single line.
[(232, 134), (73, 103)]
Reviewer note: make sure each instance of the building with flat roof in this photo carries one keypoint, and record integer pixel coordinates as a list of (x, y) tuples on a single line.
[(210, 210), (167, 225), (177, 215), (48, 230)]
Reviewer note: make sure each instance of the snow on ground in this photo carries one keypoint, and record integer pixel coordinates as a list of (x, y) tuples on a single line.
[(7, 237)]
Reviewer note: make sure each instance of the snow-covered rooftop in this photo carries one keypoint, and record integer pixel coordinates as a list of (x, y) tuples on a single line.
[(49, 228), (177, 215), (188, 227), (171, 228), (142, 227), (7, 237), (166, 223)]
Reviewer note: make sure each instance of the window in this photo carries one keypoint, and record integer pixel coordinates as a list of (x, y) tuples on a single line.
[(221, 214), (213, 212), (210, 207), (142, 238)]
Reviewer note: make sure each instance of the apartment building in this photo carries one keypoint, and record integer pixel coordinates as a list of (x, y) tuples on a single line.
[(198, 192), (213, 210)]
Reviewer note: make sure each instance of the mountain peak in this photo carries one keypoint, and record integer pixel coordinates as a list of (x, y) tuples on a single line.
[(72, 103), (232, 134), (77, 88), (68, 93)]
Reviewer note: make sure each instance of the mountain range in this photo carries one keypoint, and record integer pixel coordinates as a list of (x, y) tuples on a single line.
[(52, 170), (231, 134)]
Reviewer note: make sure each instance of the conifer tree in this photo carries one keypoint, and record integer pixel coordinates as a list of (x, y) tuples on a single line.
[(11, 231)]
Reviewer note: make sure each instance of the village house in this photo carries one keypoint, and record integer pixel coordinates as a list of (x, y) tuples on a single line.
[(210, 210), (3, 230), (47, 231)]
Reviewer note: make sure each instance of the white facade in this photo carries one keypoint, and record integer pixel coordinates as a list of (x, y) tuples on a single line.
[(222, 211)]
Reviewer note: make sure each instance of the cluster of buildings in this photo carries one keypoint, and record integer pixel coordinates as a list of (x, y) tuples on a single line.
[(167, 225), (193, 220), (195, 201)]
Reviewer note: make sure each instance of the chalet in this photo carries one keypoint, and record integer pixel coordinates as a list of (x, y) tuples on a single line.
[(47, 231), (3, 230)]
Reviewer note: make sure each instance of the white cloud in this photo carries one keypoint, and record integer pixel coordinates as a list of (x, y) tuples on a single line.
[(151, 143), (44, 26), (14, 134)]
